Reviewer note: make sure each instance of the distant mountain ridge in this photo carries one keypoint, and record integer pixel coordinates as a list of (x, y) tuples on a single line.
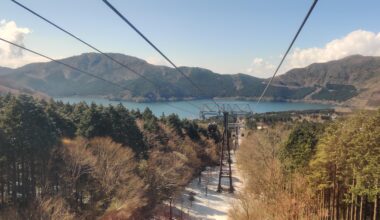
[(353, 70), (4, 70), (343, 80), (358, 78)]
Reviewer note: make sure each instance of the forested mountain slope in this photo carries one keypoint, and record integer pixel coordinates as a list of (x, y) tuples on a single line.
[(311, 169), (62, 161), (348, 80), (356, 76), (56, 80)]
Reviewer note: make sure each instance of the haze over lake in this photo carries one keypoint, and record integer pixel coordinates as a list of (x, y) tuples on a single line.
[(191, 111)]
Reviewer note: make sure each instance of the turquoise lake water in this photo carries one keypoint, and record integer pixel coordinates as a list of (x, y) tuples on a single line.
[(188, 109)]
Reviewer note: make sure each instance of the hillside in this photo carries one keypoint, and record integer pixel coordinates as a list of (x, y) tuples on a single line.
[(354, 78), (56, 80), (4, 70), (348, 80)]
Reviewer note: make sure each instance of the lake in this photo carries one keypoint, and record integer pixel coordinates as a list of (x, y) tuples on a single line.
[(188, 109)]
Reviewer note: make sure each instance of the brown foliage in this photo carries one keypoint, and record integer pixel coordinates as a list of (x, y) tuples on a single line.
[(53, 208), (167, 172), (268, 193), (103, 174)]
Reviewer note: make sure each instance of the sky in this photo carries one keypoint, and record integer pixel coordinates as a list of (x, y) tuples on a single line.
[(225, 36)]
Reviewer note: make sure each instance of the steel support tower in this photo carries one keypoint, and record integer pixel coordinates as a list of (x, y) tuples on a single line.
[(230, 114)]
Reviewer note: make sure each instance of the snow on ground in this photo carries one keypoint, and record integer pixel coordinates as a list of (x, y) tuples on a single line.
[(214, 205)]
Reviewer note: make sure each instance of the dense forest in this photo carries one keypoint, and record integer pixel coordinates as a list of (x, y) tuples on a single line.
[(312, 170), (79, 161), (336, 92)]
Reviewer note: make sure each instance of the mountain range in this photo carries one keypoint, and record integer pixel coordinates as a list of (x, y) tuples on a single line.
[(354, 80)]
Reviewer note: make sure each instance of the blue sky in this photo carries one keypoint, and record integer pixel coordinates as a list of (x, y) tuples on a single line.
[(225, 36)]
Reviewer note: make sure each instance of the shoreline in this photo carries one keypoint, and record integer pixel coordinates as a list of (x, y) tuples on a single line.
[(141, 100)]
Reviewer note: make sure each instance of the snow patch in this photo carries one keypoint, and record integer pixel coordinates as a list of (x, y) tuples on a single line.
[(214, 205)]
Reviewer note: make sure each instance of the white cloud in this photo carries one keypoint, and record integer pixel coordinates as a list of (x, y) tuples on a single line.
[(155, 60), (357, 42), (260, 68), (12, 56)]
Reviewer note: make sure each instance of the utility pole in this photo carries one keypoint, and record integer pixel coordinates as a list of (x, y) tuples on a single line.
[(225, 156), (221, 161), (236, 137), (226, 111), (229, 172)]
